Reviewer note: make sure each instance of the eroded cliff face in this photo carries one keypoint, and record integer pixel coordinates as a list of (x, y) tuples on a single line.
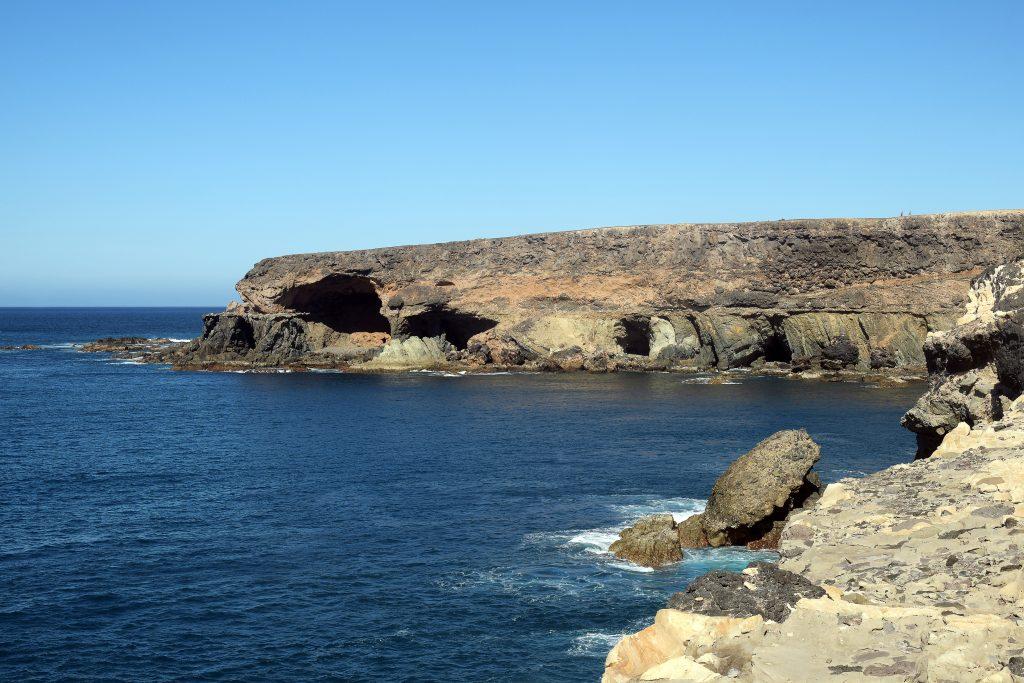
[(856, 294)]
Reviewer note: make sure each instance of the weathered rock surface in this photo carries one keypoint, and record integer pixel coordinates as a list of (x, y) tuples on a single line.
[(651, 542), (977, 368), (921, 565), (761, 488), (748, 506), (838, 294)]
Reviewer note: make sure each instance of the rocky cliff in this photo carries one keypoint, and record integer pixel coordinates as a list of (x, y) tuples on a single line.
[(853, 294), (910, 574)]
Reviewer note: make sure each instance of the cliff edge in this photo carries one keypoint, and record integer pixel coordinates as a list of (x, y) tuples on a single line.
[(910, 574), (831, 294)]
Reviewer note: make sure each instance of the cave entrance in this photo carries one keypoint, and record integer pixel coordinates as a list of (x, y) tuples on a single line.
[(633, 335), (455, 326), (342, 302), (776, 348)]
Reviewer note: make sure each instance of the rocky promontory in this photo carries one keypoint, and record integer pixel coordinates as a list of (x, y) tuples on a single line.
[(832, 295), (915, 573)]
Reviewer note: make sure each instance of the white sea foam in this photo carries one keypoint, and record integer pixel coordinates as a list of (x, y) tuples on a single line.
[(708, 380), (177, 341), (679, 508), (331, 371), (595, 540), (594, 643), (630, 567)]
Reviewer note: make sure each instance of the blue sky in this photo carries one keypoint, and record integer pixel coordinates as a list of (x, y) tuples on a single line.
[(151, 152)]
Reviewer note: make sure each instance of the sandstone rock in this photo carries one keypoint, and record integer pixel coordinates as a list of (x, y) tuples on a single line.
[(651, 542), (760, 488), (413, 352), (691, 533), (977, 367), (664, 296), (761, 589), (909, 574)]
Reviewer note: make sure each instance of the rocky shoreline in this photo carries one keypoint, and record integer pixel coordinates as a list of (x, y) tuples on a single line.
[(915, 573), (809, 297)]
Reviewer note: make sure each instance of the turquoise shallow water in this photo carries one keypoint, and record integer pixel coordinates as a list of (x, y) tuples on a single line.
[(167, 525)]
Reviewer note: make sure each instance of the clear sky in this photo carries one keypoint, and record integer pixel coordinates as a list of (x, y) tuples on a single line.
[(151, 152)]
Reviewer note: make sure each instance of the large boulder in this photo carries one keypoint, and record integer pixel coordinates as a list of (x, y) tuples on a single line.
[(651, 542), (760, 589), (761, 488)]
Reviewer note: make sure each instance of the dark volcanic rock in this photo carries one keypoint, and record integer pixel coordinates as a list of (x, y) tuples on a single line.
[(762, 589)]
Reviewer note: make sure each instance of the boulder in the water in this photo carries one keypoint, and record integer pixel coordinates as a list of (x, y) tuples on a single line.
[(651, 542), (762, 487)]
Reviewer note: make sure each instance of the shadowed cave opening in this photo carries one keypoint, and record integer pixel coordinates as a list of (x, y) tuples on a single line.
[(776, 348), (456, 327), (633, 335), (342, 302)]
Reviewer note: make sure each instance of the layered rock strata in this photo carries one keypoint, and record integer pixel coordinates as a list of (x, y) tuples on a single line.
[(838, 294), (915, 573)]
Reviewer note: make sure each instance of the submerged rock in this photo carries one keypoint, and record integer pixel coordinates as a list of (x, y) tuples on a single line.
[(651, 542), (761, 488)]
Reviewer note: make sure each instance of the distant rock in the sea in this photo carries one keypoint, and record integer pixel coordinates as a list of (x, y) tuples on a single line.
[(852, 296), (20, 347)]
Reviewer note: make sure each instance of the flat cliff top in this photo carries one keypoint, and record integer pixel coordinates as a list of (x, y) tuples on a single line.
[(780, 227), (668, 266)]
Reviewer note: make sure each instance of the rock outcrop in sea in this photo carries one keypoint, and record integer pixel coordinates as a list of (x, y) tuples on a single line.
[(915, 573), (748, 506), (855, 295)]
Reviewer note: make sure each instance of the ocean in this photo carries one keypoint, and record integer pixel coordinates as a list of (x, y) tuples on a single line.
[(159, 525)]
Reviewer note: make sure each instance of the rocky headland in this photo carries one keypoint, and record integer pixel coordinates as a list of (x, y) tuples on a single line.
[(832, 295), (915, 573)]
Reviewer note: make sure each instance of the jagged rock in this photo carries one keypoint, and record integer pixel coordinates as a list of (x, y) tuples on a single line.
[(919, 565), (639, 298), (690, 533), (760, 488), (114, 344), (976, 367), (651, 542), (761, 589), (839, 353)]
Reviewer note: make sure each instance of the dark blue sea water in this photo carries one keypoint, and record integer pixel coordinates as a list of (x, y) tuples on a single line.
[(161, 525)]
